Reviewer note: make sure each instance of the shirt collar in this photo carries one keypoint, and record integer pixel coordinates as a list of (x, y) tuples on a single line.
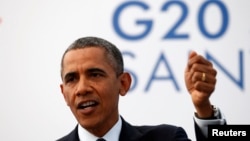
[(112, 135)]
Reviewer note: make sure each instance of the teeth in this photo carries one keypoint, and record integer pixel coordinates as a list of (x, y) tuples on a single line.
[(88, 103)]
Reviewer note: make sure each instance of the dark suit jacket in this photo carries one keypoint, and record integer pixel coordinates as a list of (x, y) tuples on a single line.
[(129, 132)]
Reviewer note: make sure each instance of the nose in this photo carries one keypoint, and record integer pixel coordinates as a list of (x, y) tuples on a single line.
[(83, 87)]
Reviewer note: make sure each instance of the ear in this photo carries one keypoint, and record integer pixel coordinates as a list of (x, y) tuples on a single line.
[(64, 95), (125, 83)]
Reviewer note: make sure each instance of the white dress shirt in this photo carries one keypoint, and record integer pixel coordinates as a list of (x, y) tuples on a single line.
[(112, 135), (203, 123)]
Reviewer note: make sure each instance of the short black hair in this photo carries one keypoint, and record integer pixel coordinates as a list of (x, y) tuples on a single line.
[(113, 53)]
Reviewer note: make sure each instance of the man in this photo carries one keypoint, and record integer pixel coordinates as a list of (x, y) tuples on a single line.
[(93, 78)]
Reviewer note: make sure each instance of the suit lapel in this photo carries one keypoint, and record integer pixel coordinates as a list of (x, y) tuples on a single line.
[(129, 132), (73, 136)]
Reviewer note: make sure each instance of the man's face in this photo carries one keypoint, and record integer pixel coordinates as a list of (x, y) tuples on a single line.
[(91, 88)]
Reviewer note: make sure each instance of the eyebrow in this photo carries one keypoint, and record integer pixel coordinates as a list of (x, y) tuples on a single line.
[(69, 74), (90, 70), (95, 70)]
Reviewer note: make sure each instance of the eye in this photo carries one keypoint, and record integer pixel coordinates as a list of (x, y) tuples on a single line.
[(70, 78), (95, 74)]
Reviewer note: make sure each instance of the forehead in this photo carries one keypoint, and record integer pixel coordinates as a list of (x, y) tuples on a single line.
[(86, 57)]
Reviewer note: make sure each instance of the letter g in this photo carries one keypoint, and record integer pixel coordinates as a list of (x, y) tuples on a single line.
[(146, 23)]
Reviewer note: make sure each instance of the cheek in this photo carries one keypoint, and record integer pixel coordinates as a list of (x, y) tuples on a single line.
[(68, 97), (110, 96)]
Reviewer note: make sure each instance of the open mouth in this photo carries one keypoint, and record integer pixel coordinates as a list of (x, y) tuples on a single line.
[(83, 105)]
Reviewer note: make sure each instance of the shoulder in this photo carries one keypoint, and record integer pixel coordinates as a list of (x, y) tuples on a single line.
[(153, 132), (72, 136), (162, 130)]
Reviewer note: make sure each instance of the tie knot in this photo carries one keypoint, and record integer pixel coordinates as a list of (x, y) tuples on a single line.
[(100, 139)]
